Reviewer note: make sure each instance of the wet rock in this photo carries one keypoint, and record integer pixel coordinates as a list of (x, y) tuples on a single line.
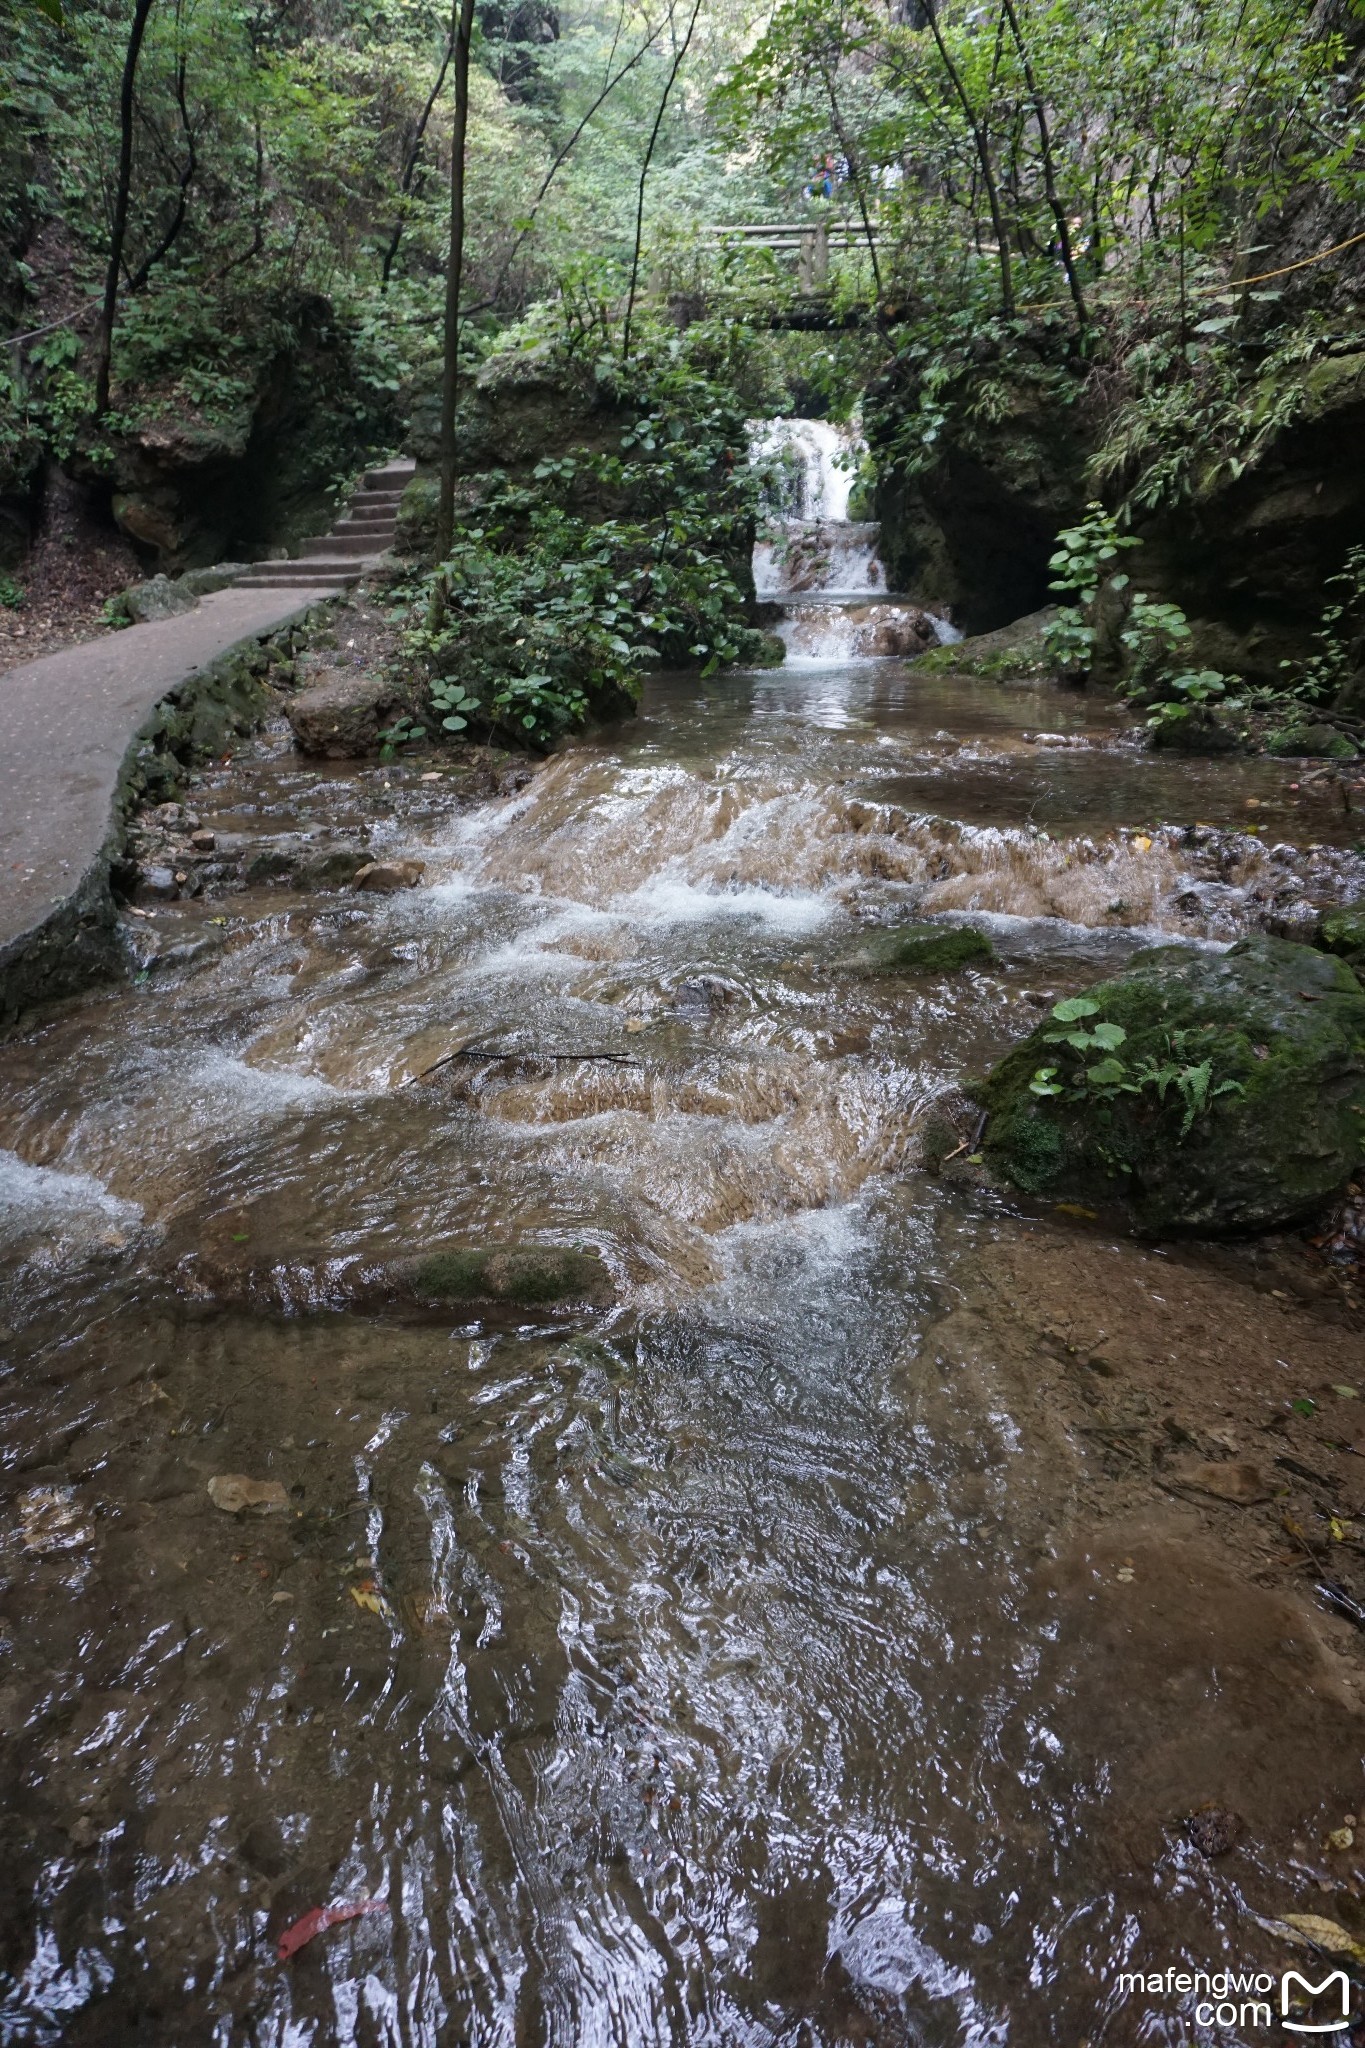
[(335, 868), (236, 1494), (1232, 1099), (429, 1283), (926, 949), (157, 882), (702, 995), (1214, 1830), (1298, 921), (203, 841), (271, 864), (527, 1276), (344, 716), (387, 876), (1302, 740), (1343, 932), (51, 1521)]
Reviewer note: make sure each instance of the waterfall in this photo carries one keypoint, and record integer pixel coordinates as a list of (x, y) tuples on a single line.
[(818, 568)]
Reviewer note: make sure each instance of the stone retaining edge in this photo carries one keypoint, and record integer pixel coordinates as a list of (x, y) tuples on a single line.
[(75, 944)]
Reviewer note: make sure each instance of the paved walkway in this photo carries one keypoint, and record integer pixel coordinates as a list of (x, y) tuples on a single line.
[(66, 723)]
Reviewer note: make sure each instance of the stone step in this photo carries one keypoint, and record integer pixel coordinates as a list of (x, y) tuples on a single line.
[(341, 544), (393, 475), (308, 566), (331, 580), (365, 522)]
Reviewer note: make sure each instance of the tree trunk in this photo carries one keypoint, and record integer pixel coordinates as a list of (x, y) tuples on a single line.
[(445, 516), (119, 224), (678, 56), (1049, 173), (983, 153), (413, 158)]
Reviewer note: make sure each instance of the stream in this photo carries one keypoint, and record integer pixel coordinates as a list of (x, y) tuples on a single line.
[(761, 1660)]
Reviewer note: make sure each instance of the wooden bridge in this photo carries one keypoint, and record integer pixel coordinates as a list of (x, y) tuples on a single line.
[(809, 241)]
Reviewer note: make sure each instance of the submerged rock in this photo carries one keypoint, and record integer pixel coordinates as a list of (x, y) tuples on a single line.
[(428, 1283), (528, 1276), (926, 949), (1217, 1094), (388, 876)]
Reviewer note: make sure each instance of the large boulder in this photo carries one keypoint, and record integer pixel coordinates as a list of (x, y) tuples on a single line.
[(1210, 1093), (344, 715)]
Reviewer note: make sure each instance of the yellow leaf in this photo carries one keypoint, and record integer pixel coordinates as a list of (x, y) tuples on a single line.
[(1324, 1934), (366, 1597), (1141, 842), (1074, 1209)]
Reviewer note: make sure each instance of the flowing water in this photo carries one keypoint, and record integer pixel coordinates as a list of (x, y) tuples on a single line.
[(738, 1665), (820, 570)]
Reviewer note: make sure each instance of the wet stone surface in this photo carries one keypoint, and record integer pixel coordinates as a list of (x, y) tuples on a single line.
[(829, 1631)]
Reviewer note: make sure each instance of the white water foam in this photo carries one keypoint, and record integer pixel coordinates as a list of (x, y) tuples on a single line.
[(822, 568)]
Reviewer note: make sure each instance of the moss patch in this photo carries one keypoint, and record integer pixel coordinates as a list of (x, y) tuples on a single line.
[(526, 1276), (1322, 742), (1343, 932), (926, 949), (1283, 1024)]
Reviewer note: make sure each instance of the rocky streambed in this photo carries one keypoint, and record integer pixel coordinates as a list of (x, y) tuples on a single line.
[(529, 1421)]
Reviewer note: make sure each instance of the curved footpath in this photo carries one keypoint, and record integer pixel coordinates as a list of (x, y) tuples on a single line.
[(68, 726)]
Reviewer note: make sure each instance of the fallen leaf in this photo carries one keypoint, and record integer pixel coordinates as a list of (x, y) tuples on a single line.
[(370, 1599), (303, 1930), (1313, 1930), (1075, 1209), (233, 1492), (1238, 1482), (1341, 1838), (1141, 842), (1347, 1393)]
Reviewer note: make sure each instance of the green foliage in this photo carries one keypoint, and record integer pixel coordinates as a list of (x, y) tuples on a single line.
[(1104, 1079), (1080, 567), (11, 593), (1338, 640), (544, 613)]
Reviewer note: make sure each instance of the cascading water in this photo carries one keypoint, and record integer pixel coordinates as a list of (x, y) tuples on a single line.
[(821, 568)]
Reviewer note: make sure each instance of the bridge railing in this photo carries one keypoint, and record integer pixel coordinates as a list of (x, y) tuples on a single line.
[(809, 241)]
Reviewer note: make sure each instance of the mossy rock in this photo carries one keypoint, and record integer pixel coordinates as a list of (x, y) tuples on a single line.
[(1015, 651), (1322, 742), (531, 1276), (1283, 1023), (926, 949), (760, 649), (1343, 932)]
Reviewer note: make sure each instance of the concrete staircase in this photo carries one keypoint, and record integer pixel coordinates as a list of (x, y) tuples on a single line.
[(336, 560)]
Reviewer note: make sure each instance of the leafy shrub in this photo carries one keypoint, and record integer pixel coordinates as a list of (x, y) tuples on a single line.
[(542, 616)]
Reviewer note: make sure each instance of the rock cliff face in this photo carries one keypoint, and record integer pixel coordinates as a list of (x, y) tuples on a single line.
[(1246, 556), (190, 490)]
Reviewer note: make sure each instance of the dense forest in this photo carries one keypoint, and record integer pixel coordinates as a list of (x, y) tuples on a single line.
[(1105, 260)]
